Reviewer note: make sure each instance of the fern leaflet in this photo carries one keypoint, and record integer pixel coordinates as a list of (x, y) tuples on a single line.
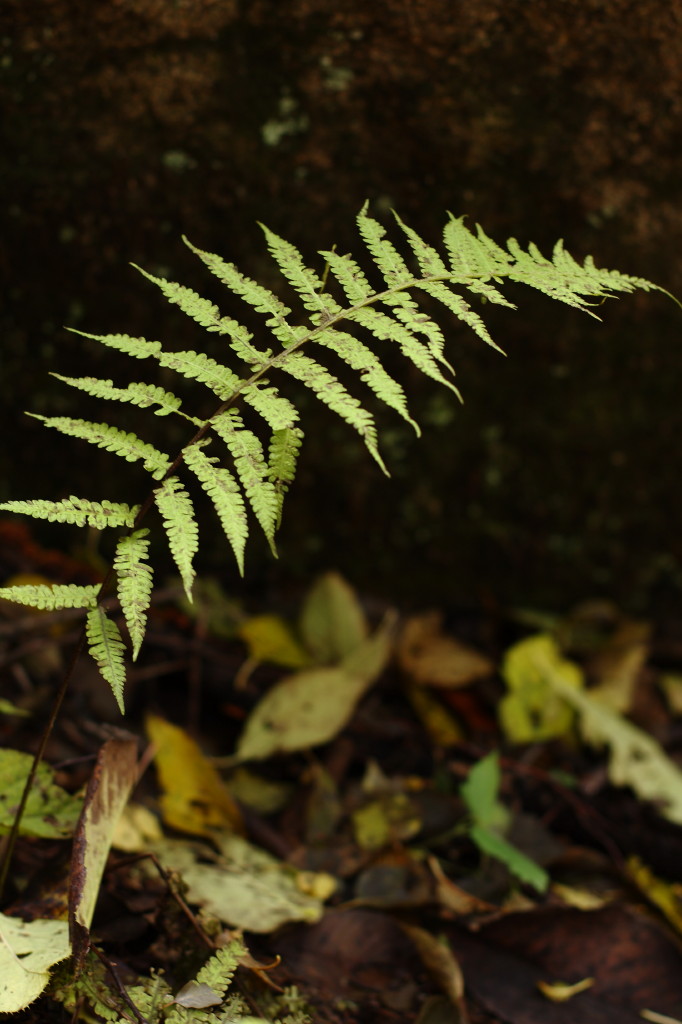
[(129, 446), (106, 647), (134, 576), (79, 511), (142, 395), (249, 462), (306, 282), (360, 357), (138, 348), (223, 490), (177, 511), (332, 392), (282, 457), (52, 597)]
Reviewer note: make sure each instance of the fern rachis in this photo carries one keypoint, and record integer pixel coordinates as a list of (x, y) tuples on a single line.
[(261, 455)]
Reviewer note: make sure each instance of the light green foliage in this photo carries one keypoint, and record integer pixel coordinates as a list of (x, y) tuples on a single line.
[(491, 819), (127, 445), (47, 597), (106, 647), (209, 999), (134, 576), (80, 511), (392, 302), (175, 506), (223, 490)]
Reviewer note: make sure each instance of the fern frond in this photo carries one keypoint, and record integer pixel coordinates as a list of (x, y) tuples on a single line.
[(256, 295), (277, 411), (51, 597), (360, 357), (222, 381), (220, 969), (224, 492), (350, 276), (177, 511), (252, 470), (429, 260), (282, 457), (307, 282), (142, 395), (383, 326), (106, 647), (393, 267), (80, 511), (138, 348), (202, 310), (129, 446), (134, 576), (472, 257), (461, 309), (332, 393)]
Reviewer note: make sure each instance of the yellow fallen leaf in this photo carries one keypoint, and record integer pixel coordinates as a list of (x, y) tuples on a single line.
[(332, 623), (270, 638), (194, 798), (431, 658), (667, 897), (136, 829), (439, 723), (532, 711), (561, 992)]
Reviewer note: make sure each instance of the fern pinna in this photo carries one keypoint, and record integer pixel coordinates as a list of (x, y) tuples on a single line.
[(245, 459)]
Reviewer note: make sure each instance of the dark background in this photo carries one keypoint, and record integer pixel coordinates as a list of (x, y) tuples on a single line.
[(129, 122)]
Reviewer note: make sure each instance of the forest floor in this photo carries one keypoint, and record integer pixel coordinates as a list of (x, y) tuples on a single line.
[(395, 817)]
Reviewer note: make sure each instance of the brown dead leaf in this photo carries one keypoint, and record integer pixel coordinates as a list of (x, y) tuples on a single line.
[(431, 658)]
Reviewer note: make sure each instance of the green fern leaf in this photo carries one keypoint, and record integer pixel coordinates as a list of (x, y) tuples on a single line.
[(129, 446), (535, 270), (177, 511), (139, 348), (472, 257), (350, 276), (142, 395), (224, 492), (222, 381), (195, 306), (395, 271), (282, 457), (332, 393), (106, 647), (360, 357), (51, 597), (277, 411), (383, 326), (134, 589), (429, 260), (79, 511), (460, 308), (252, 470), (307, 283), (262, 299)]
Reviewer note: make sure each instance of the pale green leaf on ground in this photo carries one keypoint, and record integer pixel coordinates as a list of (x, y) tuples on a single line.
[(28, 949), (245, 887), (532, 711), (51, 812), (332, 622), (312, 706), (301, 711), (636, 759)]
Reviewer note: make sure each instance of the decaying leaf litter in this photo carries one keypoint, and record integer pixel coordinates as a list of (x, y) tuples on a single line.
[(376, 815)]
